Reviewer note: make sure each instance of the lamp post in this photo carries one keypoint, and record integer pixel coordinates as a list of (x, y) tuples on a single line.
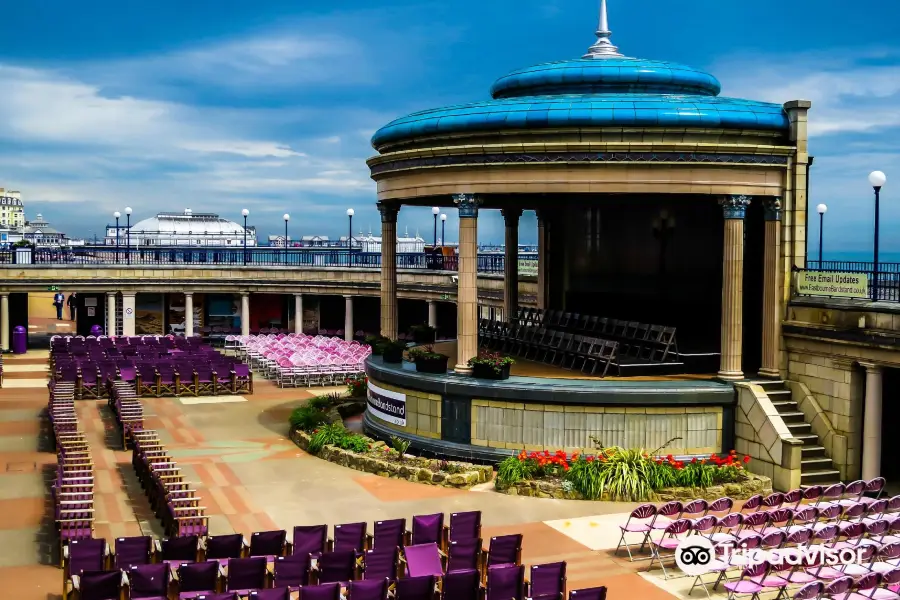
[(245, 213), (117, 214), (821, 209), (443, 225), (350, 213), (286, 218), (435, 211), (877, 179), (128, 234)]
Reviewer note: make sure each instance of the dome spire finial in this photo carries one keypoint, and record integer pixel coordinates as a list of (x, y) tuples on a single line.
[(603, 48)]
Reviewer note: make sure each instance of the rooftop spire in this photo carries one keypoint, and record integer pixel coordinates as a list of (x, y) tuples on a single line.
[(602, 48)]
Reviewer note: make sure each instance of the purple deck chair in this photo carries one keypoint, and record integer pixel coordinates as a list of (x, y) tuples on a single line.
[(86, 555), (325, 591), (292, 571), (423, 560), (427, 529), (415, 588), (100, 585), (462, 585), (149, 582), (197, 578), (270, 594), (464, 555), (245, 574), (219, 596), (505, 550), (267, 543), (547, 581), (389, 533), (597, 593), (506, 583), (132, 551), (223, 547), (179, 549), (349, 536), (336, 567), (309, 539), (381, 563), (372, 589), (465, 525)]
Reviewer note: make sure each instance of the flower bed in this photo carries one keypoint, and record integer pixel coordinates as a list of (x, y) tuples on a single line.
[(365, 454), (621, 474)]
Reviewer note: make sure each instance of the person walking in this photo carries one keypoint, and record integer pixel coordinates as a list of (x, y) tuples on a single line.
[(58, 301), (72, 303)]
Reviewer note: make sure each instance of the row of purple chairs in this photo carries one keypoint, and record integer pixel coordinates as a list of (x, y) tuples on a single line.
[(128, 411), (73, 487)]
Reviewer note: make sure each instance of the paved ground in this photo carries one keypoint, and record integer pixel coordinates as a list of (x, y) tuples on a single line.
[(252, 478)]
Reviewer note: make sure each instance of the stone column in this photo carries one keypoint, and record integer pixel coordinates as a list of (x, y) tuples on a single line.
[(795, 218), (733, 209), (772, 275), (110, 313), (871, 446), (432, 314), (543, 239), (128, 316), (348, 318), (511, 263), (467, 294), (298, 313), (388, 269), (4, 322), (245, 313), (188, 314)]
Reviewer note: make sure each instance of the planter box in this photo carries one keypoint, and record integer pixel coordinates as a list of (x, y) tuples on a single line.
[(486, 372), (392, 356), (432, 365)]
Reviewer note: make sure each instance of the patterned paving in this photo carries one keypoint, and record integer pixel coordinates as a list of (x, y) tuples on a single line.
[(252, 478)]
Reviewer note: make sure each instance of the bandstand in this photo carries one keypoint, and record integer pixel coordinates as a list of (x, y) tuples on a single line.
[(658, 202)]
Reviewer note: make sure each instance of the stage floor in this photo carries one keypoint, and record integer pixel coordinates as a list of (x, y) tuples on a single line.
[(529, 368)]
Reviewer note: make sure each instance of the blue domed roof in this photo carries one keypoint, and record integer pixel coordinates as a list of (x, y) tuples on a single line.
[(618, 74)]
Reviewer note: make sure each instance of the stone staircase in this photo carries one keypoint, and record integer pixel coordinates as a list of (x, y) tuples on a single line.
[(816, 467)]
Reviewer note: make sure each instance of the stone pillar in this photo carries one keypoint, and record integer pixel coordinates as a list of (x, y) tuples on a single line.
[(467, 294), (110, 313), (432, 314), (128, 306), (245, 313), (298, 313), (4, 322), (388, 269), (795, 218), (188, 314), (871, 446), (348, 318), (511, 263), (543, 239), (733, 209), (772, 275)]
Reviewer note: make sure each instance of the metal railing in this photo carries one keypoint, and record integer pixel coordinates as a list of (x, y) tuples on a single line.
[(250, 257), (888, 281)]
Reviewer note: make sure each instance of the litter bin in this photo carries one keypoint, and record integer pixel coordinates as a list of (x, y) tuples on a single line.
[(20, 340), (96, 330)]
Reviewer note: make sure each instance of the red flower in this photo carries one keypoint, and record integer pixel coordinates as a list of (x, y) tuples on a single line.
[(694, 460), (746, 459)]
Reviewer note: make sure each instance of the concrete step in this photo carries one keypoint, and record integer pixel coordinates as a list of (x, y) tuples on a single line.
[(779, 394), (808, 439), (798, 429), (812, 451), (785, 405), (815, 464), (820, 477), (792, 417)]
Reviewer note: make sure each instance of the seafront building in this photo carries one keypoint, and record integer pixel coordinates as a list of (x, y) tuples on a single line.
[(181, 229)]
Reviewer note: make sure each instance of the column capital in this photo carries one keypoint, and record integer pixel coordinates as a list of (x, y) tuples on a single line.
[(734, 207), (348, 296), (186, 294), (871, 368), (108, 294), (467, 205), (511, 215), (388, 211), (298, 295), (772, 208)]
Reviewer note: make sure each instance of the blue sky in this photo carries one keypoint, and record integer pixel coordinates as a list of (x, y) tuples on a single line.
[(226, 104)]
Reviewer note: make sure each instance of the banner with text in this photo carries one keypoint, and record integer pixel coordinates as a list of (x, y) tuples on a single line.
[(829, 283), (387, 405)]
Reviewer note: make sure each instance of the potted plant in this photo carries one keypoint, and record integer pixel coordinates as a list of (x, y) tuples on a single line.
[(392, 351), (377, 344), (429, 361), (423, 334), (491, 365)]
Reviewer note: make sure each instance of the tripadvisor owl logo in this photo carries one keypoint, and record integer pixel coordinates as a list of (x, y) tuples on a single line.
[(694, 555)]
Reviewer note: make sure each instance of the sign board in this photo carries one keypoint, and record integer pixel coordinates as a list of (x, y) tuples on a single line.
[(52, 288), (90, 302), (386, 405), (834, 284), (128, 313), (445, 296), (91, 311), (528, 267)]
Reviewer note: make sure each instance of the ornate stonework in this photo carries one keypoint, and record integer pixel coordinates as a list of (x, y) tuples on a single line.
[(467, 205), (734, 207), (388, 211), (772, 207)]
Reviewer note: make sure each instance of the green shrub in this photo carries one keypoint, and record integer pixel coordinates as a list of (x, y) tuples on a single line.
[(586, 477), (357, 385), (307, 418), (512, 470), (355, 442), (327, 435), (319, 402), (399, 444)]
